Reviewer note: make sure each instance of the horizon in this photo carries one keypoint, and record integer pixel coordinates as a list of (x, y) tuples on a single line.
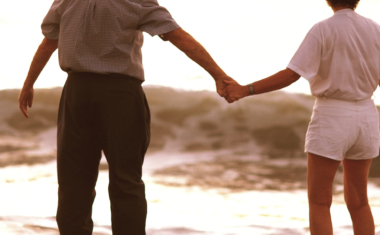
[(244, 47)]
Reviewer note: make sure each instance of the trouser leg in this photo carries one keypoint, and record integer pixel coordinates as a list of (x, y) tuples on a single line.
[(78, 157), (125, 144)]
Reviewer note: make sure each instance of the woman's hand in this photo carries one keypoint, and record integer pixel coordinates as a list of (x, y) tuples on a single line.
[(234, 91)]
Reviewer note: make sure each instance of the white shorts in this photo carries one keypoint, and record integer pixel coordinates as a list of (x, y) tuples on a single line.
[(342, 129)]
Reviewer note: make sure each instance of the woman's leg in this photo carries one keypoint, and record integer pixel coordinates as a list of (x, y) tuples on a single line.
[(355, 194), (320, 176)]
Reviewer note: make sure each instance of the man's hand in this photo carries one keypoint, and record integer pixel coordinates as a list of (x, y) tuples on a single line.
[(42, 56), (234, 91), (221, 85), (25, 100)]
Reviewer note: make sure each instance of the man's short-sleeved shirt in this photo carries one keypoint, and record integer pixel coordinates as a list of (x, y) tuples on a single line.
[(104, 36), (340, 57)]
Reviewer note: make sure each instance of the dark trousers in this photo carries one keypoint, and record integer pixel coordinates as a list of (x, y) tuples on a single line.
[(109, 113)]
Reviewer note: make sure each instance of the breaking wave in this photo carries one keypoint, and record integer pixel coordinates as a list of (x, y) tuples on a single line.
[(272, 125)]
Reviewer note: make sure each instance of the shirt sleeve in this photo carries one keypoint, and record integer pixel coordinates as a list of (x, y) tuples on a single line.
[(51, 22), (307, 59), (155, 19)]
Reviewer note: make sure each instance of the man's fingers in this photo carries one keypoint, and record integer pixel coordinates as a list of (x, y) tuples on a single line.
[(228, 81), (30, 101), (228, 92), (25, 100), (30, 98), (221, 93), (24, 110), (230, 99)]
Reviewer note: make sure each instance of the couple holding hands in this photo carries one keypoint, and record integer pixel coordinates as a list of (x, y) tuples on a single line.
[(103, 106)]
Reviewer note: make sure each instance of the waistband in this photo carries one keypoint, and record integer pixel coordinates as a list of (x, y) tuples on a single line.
[(87, 75), (357, 105)]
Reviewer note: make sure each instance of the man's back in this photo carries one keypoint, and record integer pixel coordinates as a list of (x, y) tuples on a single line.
[(104, 36)]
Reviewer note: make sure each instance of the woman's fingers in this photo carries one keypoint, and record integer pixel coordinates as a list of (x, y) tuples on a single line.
[(230, 99)]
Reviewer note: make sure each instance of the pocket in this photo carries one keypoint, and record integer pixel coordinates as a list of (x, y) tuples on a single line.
[(335, 127), (373, 125)]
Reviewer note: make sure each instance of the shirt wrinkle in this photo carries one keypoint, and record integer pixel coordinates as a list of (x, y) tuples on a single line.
[(344, 63), (316, 37), (104, 36)]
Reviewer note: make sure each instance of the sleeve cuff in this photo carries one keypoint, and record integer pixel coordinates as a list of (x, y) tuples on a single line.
[(299, 72), (51, 36), (163, 30), (51, 33)]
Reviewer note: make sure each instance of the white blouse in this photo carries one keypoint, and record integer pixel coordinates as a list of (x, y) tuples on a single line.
[(340, 57)]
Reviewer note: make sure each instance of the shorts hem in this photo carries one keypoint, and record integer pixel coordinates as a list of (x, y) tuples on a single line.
[(323, 155), (339, 159), (367, 158)]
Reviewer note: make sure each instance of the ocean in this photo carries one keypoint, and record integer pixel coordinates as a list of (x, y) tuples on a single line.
[(211, 169)]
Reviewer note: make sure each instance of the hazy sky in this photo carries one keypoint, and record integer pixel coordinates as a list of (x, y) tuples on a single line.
[(249, 39)]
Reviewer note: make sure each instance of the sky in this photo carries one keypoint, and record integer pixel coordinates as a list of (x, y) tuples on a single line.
[(249, 39)]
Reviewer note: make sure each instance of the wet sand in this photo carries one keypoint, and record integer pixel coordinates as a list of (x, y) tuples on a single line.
[(235, 175)]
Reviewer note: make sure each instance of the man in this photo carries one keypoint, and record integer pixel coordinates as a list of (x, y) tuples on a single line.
[(103, 106)]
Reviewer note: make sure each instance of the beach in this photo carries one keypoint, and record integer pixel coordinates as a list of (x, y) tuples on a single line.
[(211, 169)]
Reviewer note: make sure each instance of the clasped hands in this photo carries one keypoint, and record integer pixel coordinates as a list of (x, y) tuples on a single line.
[(232, 91)]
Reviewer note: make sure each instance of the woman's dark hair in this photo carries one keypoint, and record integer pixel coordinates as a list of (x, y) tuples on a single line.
[(343, 3)]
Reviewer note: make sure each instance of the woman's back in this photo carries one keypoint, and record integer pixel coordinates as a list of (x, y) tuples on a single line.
[(340, 57)]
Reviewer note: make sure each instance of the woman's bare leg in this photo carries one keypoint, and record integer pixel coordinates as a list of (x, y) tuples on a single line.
[(355, 194), (320, 176)]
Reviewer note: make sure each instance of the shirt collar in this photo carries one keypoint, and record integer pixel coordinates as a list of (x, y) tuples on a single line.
[(344, 11)]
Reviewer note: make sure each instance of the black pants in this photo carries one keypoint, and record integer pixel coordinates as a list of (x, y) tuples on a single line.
[(109, 113)]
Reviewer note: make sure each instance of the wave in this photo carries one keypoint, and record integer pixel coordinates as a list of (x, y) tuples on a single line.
[(272, 125)]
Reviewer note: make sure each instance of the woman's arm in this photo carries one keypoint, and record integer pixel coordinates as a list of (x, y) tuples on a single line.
[(275, 82)]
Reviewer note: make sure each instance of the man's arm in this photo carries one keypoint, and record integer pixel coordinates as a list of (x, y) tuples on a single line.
[(275, 82), (195, 51), (42, 56)]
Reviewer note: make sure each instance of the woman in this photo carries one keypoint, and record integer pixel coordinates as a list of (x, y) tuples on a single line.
[(340, 57)]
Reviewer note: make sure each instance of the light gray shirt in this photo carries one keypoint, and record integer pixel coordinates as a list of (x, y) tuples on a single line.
[(340, 57), (104, 36)]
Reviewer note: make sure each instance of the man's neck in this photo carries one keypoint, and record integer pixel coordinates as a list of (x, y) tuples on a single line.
[(335, 9)]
